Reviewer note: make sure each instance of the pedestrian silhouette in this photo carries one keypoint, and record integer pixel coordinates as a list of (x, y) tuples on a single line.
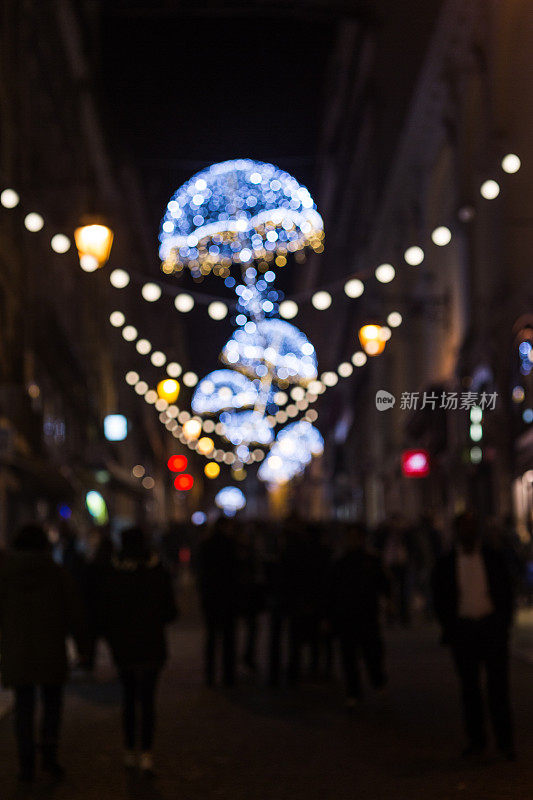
[(138, 602), (473, 600), (39, 608), (218, 580), (355, 586)]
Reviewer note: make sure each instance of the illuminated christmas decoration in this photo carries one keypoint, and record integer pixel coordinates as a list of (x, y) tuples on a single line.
[(273, 347), (246, 427), (223, 389), (295, 446), (230, 499), (372, 339), (235, 212)]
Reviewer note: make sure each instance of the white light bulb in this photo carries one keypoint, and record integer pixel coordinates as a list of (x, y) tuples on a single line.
[(190, 379), (345, 369), (174, 369), (354, 287), (414, 255), (151, 292), (359, 359), (288, 309), (394, 319), (88, 263), (441, 236), (119, 278), (129, 333), (117, 319), (385, 273), (184, 302), (33, 222), (217, 310), (158, 358), (9, 198), (329, 378), (511, 163), (490, 190), (321, 300), (143, 347), (60, 243), (132, 378)]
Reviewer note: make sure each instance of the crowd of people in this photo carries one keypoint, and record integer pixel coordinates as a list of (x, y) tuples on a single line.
[(310, 587)]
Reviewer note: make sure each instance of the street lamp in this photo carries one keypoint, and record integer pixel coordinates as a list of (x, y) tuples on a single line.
[(373, 338), (168, 389), (93, 242)]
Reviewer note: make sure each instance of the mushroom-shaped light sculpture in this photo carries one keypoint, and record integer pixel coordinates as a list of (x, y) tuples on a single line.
[(234, 212), (223, 389), (275, 348)]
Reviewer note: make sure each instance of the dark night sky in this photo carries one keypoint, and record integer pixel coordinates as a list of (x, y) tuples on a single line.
[(188, 92)]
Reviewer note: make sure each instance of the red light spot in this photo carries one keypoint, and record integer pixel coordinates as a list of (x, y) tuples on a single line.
[(184, 555), (177, 463), (415, 463), (184, 482)]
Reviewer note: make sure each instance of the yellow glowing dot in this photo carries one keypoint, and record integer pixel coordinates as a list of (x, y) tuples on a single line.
[(206, 445), (168, 389), (212, 470)]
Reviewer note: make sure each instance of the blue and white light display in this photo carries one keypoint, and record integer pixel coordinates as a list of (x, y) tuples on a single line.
[(252, 214), (230, 499), (223, 389), (295, 446), (246, 427), (273, 347), (235, 212)]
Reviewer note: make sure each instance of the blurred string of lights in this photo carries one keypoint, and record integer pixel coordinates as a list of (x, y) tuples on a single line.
[(249, 212), (218, 307)]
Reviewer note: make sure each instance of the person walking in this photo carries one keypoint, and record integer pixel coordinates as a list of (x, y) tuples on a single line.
[(354, 588), (39, 608), (218, 578), (473, 601), (138, 602)]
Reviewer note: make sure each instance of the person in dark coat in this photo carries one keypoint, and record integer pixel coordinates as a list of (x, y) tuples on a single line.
[(218, 580), (355, 586), (138, 603), (473, 601), (39, 608)]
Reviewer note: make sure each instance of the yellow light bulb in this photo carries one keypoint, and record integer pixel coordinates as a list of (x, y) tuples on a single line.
[(168, 389), (212, 470)]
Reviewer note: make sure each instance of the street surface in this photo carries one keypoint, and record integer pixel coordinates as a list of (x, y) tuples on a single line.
[(253, 743)]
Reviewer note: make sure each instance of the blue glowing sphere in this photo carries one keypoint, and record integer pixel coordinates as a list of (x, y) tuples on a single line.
[(293, 449), (246, 427), (236, 211), (223, 389), (274, 346), (230, 498)]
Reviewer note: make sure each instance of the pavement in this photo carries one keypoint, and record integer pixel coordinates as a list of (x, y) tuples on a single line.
[(254, 743)]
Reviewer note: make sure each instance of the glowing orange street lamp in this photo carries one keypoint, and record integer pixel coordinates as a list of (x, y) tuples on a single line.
[(373, 339), (93, 242)]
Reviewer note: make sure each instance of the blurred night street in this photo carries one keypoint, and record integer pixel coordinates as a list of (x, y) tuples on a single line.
[(266, 399)]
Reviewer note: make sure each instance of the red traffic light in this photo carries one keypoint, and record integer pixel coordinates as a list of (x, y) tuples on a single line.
[(183, 482), (177, 463), (415, 463)]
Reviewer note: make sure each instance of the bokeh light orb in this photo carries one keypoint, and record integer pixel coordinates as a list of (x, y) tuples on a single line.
[(234, 212)]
